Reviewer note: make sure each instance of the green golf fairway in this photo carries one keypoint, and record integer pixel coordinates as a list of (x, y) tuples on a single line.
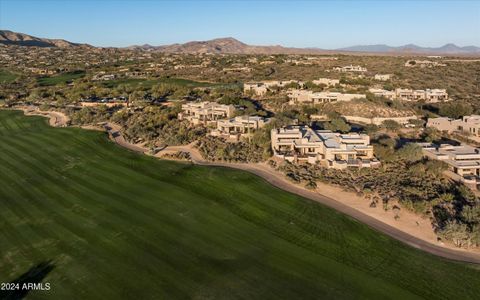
[(99, 222)]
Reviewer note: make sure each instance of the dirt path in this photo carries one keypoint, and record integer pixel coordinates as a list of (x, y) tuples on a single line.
[(410, 228), (56, 119)]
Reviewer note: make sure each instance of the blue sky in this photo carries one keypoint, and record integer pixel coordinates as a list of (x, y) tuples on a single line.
[(323, 24)]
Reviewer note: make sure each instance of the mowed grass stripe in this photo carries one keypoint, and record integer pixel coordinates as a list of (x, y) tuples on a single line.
[(38, 170), (137, 213), (80, 234)]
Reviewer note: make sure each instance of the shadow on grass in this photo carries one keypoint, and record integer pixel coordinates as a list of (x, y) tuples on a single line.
[(34, 275)]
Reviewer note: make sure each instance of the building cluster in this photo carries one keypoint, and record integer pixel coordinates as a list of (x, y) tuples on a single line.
[(469, 125), (350, 68), (221, 117), (428, 95), (423, 64), (330, 149), (308, 96)]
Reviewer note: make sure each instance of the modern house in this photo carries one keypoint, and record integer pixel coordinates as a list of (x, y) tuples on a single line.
[(468, 124), (205, 112), (462, 160), (241, 126), (429, 95), (307, 96), (350, 68), (261, 88), (330, 149), (383, 93)]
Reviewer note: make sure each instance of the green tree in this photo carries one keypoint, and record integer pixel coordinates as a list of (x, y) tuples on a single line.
[(338, 125), (410, 152), (391, 125), (455, 110)]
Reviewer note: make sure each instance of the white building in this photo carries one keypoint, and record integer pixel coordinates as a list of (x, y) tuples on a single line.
[(382, 77), (350, 68)]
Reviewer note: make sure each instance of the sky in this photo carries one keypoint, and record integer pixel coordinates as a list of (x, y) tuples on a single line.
[(322, 24)]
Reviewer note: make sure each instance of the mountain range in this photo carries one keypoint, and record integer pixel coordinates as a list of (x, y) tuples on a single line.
[(232, 46), (8, 37)]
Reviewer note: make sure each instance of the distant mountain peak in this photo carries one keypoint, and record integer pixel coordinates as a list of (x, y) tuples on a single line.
[(231, 45), (449, 48), (8, 37)]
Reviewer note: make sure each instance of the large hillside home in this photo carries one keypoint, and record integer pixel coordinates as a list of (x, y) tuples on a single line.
[(205, 112), (462, 160), (469, 125), (238, 127), (307, 96), (428, 95), (330, 149)]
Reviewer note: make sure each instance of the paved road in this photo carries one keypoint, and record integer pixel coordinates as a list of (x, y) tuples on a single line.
[(277, 180)]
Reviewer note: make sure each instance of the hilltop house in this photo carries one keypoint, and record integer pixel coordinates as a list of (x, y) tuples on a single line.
[(307, 96), (241, 126), (205, 112), (332, 150), (468, 124)]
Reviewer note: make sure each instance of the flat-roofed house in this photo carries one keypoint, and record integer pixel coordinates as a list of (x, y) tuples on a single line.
[(307, 96), (429, 95), (240, 126), (382, 77), (382, 93), (468, 124), (330, 149), (462, 160), (350, 68), (436, 95), (205, 112)]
